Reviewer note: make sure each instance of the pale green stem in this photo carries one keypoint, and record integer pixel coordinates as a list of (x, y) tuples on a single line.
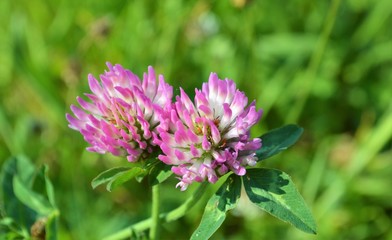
[(164, 217), (154, 231)]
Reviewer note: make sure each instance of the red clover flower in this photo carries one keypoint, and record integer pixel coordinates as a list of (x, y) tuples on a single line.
[(210, 137), (202, 140), (125, 115)]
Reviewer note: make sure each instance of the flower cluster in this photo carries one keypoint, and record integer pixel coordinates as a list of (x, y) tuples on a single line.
[(201, 139), (125, 114), (209, 137)]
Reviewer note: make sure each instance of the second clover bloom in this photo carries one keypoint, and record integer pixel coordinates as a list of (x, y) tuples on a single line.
[(124, 114), (210, 136)]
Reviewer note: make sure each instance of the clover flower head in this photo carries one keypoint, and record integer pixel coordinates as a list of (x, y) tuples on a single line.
[(210, 136), (124, 115)]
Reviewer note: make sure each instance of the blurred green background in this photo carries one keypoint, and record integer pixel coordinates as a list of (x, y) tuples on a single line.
[(325, 65)]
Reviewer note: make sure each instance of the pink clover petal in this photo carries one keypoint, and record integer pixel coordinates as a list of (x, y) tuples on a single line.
[(206, 145)]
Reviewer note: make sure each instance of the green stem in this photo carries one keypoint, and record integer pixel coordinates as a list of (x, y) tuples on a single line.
[(164, 217), (154, 231)]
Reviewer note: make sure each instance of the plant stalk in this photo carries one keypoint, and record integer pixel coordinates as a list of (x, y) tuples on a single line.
[(155, 225), (163, 217)]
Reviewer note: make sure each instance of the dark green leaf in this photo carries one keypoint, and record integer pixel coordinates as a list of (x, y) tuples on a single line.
[(31, 199), (13, 207), (274, 192), (107, 176), (278, 140), (225, 199), (43, 186), (114, 177), (159, 173), (28, 196), (123, 177), (38, 181)]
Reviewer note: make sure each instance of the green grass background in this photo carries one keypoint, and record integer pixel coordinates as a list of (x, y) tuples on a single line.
[(325, 65)]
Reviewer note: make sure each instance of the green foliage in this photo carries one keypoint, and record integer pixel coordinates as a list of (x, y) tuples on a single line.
[(325, 65), (225, 199), (29, 207), (15, 209), (30, 198), (274, 192), (157, 172), (271, 190), (277, 140), (116, 176)]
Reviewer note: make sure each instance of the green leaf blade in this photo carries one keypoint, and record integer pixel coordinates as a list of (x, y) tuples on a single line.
[(123, 177), (225, 199), (116, 176), (278, 140), (159, 173), (107, 176), (13, 207), (33, 200), (28, 199), (274, 192)]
